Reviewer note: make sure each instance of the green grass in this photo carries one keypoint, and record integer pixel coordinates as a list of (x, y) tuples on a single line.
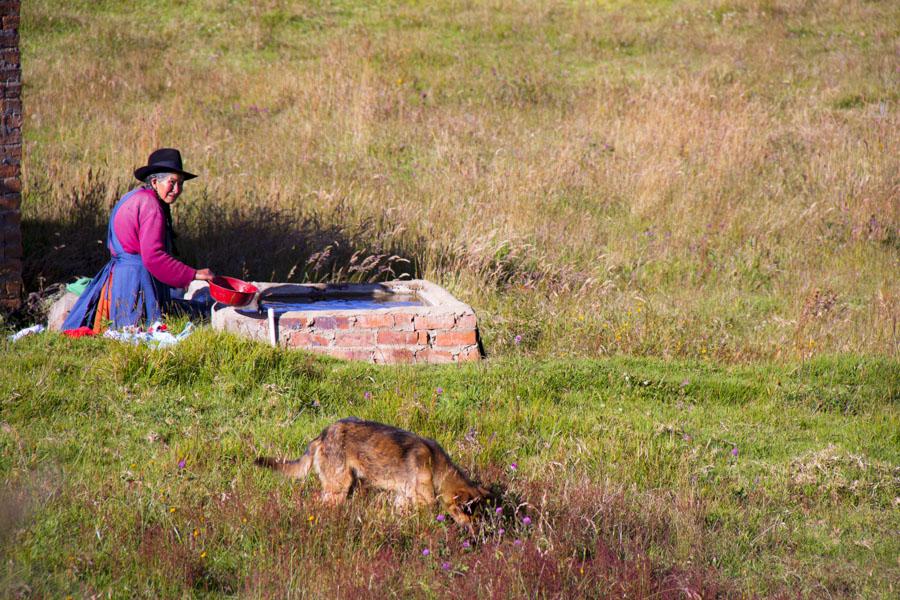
[(686, 210), (93, 431)]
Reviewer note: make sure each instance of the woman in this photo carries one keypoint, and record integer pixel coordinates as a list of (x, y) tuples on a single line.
[(135, 285)]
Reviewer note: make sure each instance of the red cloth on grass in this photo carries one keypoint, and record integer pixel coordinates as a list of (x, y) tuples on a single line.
[(80, 332)]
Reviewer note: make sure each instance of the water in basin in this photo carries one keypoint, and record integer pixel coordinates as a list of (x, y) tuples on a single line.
[(283, 304)]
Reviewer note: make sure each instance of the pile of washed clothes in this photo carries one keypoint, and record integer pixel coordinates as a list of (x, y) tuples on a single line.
[(156, 335)]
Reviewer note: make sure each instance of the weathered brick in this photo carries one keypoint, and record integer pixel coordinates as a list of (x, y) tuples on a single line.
[(11, 300), (10, 7), (11, 237), (304, 339), (12, 121), (256, 329), (454, 338), (359, 337), (10, 55), (12, 286), (9, 38), (10, 202), (466, 322), (432, 356), (435, 322), (10, 266), (11, 217), (404, 321), (11, 249), (10, 185), (332, 322), (395, 355), (363, 354), (11, 253), (11, 106), (469, 354), (390, 337), (10, 151), (375, 320), (294, 322)]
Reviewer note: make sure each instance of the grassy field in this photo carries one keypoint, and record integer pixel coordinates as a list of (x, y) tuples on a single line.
[(676, 179), (640, 477), (686, 211)]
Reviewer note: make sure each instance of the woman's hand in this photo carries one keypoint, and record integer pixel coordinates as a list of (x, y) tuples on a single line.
[(204, 274)]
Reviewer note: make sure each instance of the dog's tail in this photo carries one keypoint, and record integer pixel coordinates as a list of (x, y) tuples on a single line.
[(297, 469)]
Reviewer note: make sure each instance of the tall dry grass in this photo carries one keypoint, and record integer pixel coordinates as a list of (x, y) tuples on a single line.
[(678, 179)]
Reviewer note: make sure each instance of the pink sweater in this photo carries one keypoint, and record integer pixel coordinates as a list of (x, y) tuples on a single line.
[(140, 226)]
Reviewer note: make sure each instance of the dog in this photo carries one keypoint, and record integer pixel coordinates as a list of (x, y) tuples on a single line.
[(351, 451)]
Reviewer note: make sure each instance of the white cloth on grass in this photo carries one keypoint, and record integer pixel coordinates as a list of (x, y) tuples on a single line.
[(156, 336), (34, 329)]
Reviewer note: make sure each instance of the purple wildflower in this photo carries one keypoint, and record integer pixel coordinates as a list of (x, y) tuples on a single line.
[(734, 452), (367, 395), (439, 391), (441, 517), (514, 466), (501, 531), (426, 552), (466, 544), (517, 542), (526, 521), (517, 339), (498, 510), (445, 566), (181, 463)]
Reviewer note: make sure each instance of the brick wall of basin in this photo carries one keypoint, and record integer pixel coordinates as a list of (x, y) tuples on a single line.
[(444, 330), (385, 337)]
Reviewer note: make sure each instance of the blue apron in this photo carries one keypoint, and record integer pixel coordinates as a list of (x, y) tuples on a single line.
[(136, 295)]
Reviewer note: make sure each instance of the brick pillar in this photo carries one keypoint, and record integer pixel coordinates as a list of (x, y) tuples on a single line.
[(10, 157)]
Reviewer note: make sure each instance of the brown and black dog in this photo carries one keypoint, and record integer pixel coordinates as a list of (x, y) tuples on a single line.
[(415, 468)]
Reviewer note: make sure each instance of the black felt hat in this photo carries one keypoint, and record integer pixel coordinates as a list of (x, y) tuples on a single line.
[(164, 160)]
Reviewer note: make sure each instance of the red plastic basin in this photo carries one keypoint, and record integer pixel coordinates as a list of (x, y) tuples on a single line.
[(231, 291)]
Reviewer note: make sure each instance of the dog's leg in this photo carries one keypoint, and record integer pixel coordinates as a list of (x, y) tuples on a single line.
[(336, 488), (421, 486), (401, 501), (332, 498), (424, 488), (337, 480)]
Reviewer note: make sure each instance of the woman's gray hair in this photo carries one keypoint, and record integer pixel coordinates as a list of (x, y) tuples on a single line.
[(154, 176)]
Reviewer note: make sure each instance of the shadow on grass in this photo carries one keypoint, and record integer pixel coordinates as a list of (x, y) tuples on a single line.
[(65, 238)]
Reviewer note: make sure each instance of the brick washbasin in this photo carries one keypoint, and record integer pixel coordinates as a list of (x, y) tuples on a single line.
[(392, 322)]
